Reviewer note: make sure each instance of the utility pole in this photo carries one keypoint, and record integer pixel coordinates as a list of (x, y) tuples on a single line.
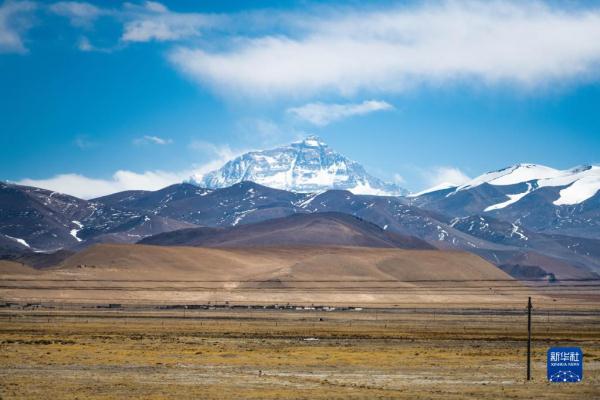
[(529, 339)]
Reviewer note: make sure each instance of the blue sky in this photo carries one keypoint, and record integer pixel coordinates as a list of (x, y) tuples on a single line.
[(106, 96)]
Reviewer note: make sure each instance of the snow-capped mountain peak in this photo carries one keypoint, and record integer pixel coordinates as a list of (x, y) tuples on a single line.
[(514, 174), (580, 183), (309, 165), (310, 141)]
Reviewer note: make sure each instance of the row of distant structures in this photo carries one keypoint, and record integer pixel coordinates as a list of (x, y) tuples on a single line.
[(257, 307), (209, 306)]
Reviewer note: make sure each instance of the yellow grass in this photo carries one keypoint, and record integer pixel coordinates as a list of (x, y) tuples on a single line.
[(223, 355)]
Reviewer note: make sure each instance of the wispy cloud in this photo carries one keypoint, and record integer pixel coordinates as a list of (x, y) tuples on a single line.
[(218, 154), (15, 19), (84, 142), (85, 45), (444, 176), (79, 13), (154, 21), (148, 139), (145, 22), (394, 48), (322, 114), (399, 179)]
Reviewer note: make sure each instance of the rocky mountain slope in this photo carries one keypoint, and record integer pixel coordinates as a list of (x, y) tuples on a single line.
[(33, 219)]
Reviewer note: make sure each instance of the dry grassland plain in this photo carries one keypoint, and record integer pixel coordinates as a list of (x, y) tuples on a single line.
[(251, 354)]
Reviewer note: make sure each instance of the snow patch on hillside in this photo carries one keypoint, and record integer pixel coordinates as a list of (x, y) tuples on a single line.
[(74, 232), (19, 240), (512, 198)]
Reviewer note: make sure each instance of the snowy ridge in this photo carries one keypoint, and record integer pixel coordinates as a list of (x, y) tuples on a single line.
[(512, 175), (579, 183), (305, 166)]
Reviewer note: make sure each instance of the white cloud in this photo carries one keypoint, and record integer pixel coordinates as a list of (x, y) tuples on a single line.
[(399, 179), (389, 50), (84, 44), (87, 188), (322, 114), (149, 21), (156, 7), (219, 155), (79, 13), (15, 19), (445, 176), (154, 21), (148, 139)]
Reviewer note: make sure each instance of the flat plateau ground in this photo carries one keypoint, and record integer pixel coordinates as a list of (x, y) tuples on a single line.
[(250, 354)]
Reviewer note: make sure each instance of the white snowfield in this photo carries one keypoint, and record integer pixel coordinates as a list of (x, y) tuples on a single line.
[(306, 166), (581, 183)]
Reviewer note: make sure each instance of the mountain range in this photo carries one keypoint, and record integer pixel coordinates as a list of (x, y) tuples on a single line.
[(534, 196), (529, 220)]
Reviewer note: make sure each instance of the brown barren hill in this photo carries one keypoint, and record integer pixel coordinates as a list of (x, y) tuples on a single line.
[(285, 263), (126, 273), (318, 229), (11, 267)]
